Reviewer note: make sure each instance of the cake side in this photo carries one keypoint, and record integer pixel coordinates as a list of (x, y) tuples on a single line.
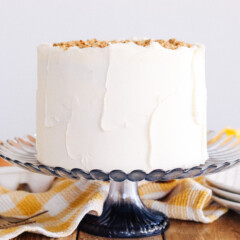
[(121, 107)]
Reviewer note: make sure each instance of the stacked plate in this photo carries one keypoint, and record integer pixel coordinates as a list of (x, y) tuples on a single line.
[(226, 187)]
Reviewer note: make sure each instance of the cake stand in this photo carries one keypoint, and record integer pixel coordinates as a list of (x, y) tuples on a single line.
[(124, 215)]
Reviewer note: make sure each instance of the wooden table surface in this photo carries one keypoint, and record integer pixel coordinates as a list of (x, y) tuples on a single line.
[(225, 228)]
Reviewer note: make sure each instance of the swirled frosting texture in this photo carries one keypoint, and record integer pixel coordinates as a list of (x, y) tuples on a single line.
[(123, 106)]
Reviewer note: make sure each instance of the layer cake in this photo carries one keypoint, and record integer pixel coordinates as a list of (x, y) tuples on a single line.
[(132, 104)]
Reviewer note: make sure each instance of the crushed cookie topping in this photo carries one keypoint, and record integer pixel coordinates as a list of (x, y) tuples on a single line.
[(170, 44)]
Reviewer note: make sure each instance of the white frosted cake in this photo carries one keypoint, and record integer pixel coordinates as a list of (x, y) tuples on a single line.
[(121, 105)]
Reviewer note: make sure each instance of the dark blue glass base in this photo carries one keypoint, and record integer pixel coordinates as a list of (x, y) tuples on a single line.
[(125, 222), (124, 215)]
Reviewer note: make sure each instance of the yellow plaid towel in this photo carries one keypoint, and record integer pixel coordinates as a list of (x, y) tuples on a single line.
[(68, 201)]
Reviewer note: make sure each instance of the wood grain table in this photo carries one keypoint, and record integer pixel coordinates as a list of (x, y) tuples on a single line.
[(226, 228)]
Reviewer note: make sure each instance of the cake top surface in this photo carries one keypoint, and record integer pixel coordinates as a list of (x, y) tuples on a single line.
[(169, 44)]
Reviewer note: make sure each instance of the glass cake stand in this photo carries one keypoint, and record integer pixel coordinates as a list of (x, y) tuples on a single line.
[(124, 215)]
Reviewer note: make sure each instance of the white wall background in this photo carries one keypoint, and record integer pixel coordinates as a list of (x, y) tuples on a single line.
[(24, 24)]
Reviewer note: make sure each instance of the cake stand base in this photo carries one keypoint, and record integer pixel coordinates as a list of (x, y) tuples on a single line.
[(124, 215)]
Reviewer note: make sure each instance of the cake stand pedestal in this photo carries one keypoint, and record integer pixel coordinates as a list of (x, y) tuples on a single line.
[(124, 215)]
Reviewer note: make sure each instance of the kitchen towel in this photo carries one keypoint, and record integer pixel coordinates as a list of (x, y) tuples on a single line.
[(67, 202)]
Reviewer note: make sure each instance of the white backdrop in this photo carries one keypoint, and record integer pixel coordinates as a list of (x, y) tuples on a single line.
[(24, 24)]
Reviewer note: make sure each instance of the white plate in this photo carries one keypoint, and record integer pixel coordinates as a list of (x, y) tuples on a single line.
[(229, 204), (11, 177), (225, 194), (228, 180)]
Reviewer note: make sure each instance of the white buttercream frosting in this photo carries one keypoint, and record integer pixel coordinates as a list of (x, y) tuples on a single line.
[(123, 106)]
